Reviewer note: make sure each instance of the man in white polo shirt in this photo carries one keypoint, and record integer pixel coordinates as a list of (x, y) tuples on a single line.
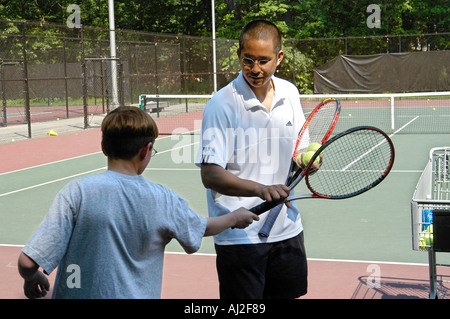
[(249, 130)]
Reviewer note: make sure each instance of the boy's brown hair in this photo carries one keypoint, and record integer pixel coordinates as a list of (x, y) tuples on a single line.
[(125, 130)]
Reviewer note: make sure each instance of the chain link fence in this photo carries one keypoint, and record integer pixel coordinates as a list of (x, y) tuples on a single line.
[(51, 72)]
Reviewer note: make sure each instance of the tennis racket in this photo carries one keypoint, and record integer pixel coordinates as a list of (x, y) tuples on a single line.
[(353, 162), (317, 129)]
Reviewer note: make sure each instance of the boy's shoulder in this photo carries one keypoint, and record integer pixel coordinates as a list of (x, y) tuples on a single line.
[(106, 181)]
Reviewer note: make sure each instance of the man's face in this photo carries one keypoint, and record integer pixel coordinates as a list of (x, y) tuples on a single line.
[(259, 61)]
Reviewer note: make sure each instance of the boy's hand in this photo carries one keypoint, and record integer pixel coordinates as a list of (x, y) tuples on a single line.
[(36, 287), (244, 218)]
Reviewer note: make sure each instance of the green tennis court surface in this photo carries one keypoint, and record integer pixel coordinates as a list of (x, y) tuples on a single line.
[(375, 226), (345, 239)]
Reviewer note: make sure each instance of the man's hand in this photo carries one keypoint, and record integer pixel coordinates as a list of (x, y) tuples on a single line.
[(274, 192)]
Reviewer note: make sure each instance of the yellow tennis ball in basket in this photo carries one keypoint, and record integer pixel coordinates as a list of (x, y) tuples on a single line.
[(314, 147), (429, 239), (426, 238), (429, 235), (422, 244)]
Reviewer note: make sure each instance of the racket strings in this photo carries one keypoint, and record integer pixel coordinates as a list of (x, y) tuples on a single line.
[(318, 126), (352, 164), (321, 122)]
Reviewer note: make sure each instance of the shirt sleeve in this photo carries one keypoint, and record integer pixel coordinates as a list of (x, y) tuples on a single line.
[(48, 244), (184, 225), (217, 136)]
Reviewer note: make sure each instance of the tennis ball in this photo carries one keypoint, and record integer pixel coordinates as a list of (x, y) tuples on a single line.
[(429, 239), (307, 157), (429, 235), (298, 159), (426, 238), (314, 147), (422, 244)]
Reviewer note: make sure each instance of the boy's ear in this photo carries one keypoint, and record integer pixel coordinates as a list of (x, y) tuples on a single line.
[(103, 150), (145, 150)]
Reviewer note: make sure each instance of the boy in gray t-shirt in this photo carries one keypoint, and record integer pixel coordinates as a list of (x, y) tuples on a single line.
[(106, 233)]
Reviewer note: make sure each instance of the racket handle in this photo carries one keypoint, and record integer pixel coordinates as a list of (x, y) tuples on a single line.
[(271, 218), (263, 207)]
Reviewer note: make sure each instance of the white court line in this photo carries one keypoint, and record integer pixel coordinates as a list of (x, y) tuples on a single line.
[(49, 163), (406, 171), (312, 259), (67, 159), (52, 181), (382, 142), (149, 168), (322, 259), (87, 172), (177, 148), (170, 169)]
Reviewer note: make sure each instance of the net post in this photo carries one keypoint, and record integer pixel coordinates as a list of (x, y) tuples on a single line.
[(141, 101), (392, 113)]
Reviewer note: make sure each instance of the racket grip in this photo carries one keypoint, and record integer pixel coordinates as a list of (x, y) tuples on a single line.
[(271, 218), (263, 207)]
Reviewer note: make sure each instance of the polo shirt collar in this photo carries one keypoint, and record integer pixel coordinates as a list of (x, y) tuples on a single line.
[(249, 98)]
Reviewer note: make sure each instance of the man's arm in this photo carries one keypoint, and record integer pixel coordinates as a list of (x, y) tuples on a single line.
[(222, 181)]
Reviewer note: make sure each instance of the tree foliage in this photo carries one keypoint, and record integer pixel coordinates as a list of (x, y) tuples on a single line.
[(295, 18), (298, 20)]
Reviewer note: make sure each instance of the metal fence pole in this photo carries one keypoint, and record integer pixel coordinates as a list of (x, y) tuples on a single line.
[(3, 94), (83, 71), (25, 78), (66, 90)]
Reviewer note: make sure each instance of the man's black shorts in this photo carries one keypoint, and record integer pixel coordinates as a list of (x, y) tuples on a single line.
[(270, 270)]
